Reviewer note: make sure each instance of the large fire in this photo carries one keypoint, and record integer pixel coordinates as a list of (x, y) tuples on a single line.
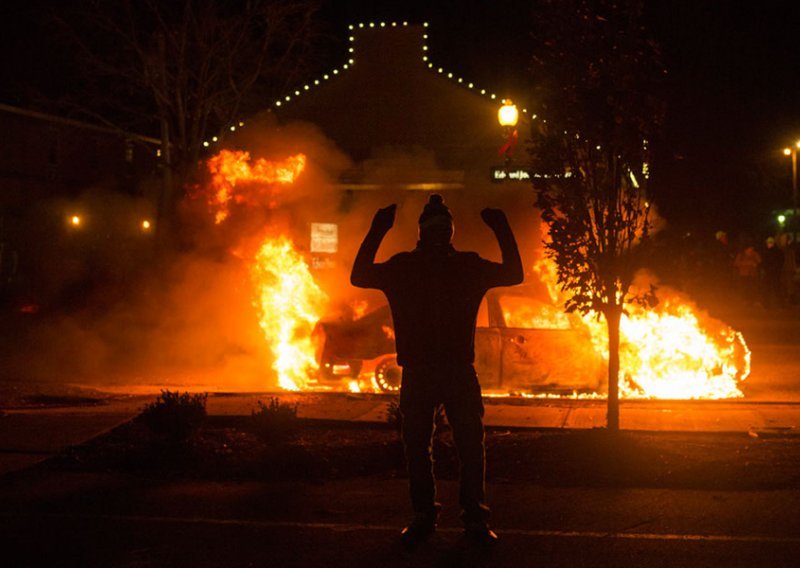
[(288, 301), (289, 304), (670, 351)]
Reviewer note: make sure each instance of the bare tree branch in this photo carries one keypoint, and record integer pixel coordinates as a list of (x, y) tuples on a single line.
[(193, 64)]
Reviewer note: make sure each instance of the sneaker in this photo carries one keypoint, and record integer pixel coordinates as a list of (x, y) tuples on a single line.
[(480, 534), (419, 530)]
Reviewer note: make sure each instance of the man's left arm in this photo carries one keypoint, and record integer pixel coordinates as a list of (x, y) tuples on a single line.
[(366, 273), (510, 271)]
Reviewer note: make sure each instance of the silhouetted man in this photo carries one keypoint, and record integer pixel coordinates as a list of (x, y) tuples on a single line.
[(434, 293)]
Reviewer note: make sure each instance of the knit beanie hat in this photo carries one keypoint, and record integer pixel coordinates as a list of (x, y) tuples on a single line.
[(435, 212)]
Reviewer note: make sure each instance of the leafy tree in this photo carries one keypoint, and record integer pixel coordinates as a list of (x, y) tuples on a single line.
[(187, 69), (596, 75)]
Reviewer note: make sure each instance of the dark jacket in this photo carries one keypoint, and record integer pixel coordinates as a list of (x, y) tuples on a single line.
[(434, 294), (773, 262)]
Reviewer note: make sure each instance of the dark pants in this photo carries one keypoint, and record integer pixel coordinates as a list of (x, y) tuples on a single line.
[(773, 292), (422, 391)]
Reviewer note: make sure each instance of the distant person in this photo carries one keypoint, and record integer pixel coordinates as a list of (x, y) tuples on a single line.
[(747, 263), (719, 270), (789, 270), (721, 257), (434, 292), (773, 270)]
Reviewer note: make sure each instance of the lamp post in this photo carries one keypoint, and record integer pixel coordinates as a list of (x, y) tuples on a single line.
[(508, 116), (792, 151)]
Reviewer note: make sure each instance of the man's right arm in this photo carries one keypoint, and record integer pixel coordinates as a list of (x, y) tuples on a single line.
[(510, 272), (365, 273)]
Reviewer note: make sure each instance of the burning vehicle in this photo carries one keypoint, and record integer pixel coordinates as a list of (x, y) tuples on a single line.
[(527, 345), (353, 351), (513, 353)]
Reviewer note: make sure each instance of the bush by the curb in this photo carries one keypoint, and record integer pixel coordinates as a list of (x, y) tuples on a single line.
[(274, 421), (175, 416)]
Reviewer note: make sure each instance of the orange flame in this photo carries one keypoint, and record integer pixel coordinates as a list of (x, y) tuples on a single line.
[(523, 313), (671, 354), (289, 304), (236, 178), (288, 301), (359, 308), (670, 351)]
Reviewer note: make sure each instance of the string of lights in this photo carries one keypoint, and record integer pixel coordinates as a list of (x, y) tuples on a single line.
[(282, 101), (469, 85)]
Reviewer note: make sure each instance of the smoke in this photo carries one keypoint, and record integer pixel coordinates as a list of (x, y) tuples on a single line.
[(133, 318)]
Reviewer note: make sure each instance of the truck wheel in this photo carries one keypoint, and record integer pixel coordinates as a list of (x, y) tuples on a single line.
[(388, 374)]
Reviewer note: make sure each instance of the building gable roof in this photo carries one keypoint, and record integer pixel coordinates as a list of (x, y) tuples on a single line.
[(389, 99)]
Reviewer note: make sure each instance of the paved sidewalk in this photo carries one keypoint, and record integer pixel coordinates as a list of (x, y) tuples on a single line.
[(513, 412), (29, 435)]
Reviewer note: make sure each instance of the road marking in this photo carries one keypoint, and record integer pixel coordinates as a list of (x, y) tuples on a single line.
[(352, 527)]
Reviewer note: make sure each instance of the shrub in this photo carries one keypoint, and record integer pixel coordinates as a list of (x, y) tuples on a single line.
[(174, 415), (274, 420)]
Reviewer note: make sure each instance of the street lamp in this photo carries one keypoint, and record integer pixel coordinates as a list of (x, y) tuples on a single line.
[(792, 151), (508, 116)]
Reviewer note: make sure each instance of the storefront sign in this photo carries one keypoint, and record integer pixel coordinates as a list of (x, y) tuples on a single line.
[(324, 237), (502, 174), (510, 174)]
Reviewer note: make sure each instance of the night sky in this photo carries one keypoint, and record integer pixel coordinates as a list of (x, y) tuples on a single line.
[(733, 91)]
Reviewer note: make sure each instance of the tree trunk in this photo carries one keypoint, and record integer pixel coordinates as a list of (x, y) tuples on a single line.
[(613, 316)]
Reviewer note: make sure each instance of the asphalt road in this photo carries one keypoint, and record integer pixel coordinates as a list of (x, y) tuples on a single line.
[(115, 521)]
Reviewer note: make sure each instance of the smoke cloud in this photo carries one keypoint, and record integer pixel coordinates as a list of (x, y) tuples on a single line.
[(134, 319)]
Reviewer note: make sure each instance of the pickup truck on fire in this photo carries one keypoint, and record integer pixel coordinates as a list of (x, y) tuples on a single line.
[(522, 345)]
